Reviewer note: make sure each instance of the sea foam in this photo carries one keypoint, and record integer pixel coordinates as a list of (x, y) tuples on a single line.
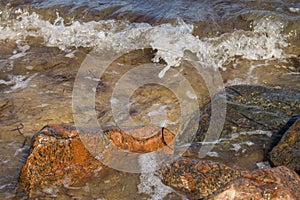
[(172, 41)]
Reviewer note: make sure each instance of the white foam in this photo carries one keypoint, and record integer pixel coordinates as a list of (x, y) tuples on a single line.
[(29, 67), (191, 95), (22, 51), (236, 147), (258, 132), (51, 191), (238, 81), (149, 183), (20, 150), (158, 110), (159, 116), (249, 143), (213, 154), (263, 165), (18, 82), (114, 101), (265, 41), (294, 10), (42, 105)]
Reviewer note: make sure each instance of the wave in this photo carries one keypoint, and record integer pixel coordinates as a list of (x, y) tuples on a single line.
[(171, 40)]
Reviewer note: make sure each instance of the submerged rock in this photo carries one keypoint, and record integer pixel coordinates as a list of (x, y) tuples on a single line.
[(264, 184), (252, 108), (197, 178), (287, 151), (254, 115)]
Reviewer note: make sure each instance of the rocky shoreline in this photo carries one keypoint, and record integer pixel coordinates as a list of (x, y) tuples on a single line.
[(58, 157)]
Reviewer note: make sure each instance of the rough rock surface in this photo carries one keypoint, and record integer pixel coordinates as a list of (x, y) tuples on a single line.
[(254, 116), (255, 108), (58, 156), (287, 151), (145, 139), (271, 183), (197, 178), (203, 179)]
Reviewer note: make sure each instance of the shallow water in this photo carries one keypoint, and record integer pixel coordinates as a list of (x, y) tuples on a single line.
[(43, 44)]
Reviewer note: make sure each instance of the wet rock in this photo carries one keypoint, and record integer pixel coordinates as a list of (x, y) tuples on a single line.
[(197, 178), (287, 151), (57, 157), (254, 115), (145, 139), (256, 108), (271, 183)]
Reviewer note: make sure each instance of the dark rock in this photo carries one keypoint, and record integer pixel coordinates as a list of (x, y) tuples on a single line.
[(197, 178), (287, 152), (271, 183), (255, 108), (254, 115)]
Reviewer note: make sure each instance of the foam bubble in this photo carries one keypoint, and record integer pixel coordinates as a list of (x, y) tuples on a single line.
[(294, 9)]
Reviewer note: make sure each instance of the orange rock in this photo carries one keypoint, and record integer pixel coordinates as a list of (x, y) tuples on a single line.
[(145, 139), (58, 156), (271, 183)]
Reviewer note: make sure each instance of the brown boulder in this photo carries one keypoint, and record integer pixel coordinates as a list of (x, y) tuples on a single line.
[(145, 139), (197, 178), (287, 151), (58, 156), (272, 183)]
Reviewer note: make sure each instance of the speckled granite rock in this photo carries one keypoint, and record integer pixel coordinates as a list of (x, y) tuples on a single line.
[(203, 179), (287, 151), (197, 178), (271, 183), (58, 156)]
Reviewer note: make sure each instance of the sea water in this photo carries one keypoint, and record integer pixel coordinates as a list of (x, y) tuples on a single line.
[(43, 44)]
